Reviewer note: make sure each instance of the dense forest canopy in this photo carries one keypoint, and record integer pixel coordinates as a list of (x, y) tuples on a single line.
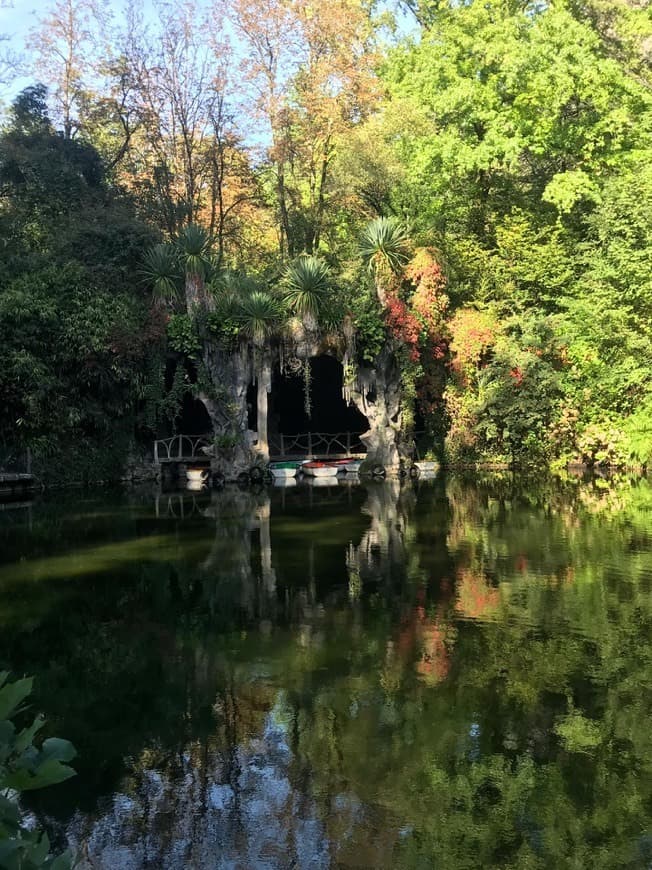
[(465, 186)]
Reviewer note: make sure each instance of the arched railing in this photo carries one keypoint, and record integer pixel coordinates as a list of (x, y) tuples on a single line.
[(317, 444), (183, 448), (189, 448)]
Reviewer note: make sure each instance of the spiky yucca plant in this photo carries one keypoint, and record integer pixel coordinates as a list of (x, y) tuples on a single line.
[(194, 250), (193, 246), (259, 315), (306, 285), (161, 269), (385, 244)]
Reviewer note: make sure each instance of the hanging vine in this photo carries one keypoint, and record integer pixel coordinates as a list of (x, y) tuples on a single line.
[(307, 383)]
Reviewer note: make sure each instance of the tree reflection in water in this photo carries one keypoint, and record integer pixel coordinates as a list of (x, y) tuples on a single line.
[(391, 675)]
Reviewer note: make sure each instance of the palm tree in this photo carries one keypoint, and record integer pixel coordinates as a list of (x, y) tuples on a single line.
[(257, 312), (187, 261), (306, 285), (259, 315), (385, 248), (193, 246), (162, 270)]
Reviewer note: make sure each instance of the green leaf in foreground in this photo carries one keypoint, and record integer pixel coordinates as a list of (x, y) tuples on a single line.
[(24, 767)]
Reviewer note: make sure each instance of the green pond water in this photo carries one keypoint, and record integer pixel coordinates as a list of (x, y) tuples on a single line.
[(448, 674)]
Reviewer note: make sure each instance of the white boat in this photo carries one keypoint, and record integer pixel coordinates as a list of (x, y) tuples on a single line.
[(319, 469), (352, 467), (196, 475), (284, 469), (283, 473)]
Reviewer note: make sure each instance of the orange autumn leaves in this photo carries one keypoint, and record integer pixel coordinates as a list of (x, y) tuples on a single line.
[(416, 317), (310, 68), (473, 334)]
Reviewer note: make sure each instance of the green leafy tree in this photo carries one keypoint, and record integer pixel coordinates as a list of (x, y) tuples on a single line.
[(78, 332)]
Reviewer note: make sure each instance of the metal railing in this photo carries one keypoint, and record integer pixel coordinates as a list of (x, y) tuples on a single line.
[(317, 444), (189, 448), (182, 448)]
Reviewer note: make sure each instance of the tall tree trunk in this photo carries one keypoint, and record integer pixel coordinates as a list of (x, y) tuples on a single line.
[(264, 385), (286, 244), (194, 294), (327, 153)]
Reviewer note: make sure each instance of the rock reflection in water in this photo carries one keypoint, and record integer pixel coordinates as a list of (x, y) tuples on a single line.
[(380, 675), (242, 797)]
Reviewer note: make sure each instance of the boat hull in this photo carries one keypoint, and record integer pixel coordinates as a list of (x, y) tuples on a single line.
[(283, 473), (196, 475), (319, 470)]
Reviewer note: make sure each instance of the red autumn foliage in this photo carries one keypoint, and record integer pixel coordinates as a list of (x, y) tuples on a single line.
[(424, 271), (403, 325), (418, 323), (439, 349), (429, 302)]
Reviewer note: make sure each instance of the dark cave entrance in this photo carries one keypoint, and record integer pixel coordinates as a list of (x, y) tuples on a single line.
[(192, 417), (326, 411)]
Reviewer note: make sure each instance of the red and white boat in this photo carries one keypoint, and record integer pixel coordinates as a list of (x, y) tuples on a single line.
[(315, 468)]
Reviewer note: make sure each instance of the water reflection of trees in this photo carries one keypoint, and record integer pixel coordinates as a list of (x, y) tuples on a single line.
[(452, 675)]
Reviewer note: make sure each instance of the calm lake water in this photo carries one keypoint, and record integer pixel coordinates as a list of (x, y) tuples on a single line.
[(454, 674)]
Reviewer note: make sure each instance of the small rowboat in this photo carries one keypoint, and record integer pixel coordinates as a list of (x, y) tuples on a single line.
[(346, 465), (319, 469), (283, 470), (197, 475)]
